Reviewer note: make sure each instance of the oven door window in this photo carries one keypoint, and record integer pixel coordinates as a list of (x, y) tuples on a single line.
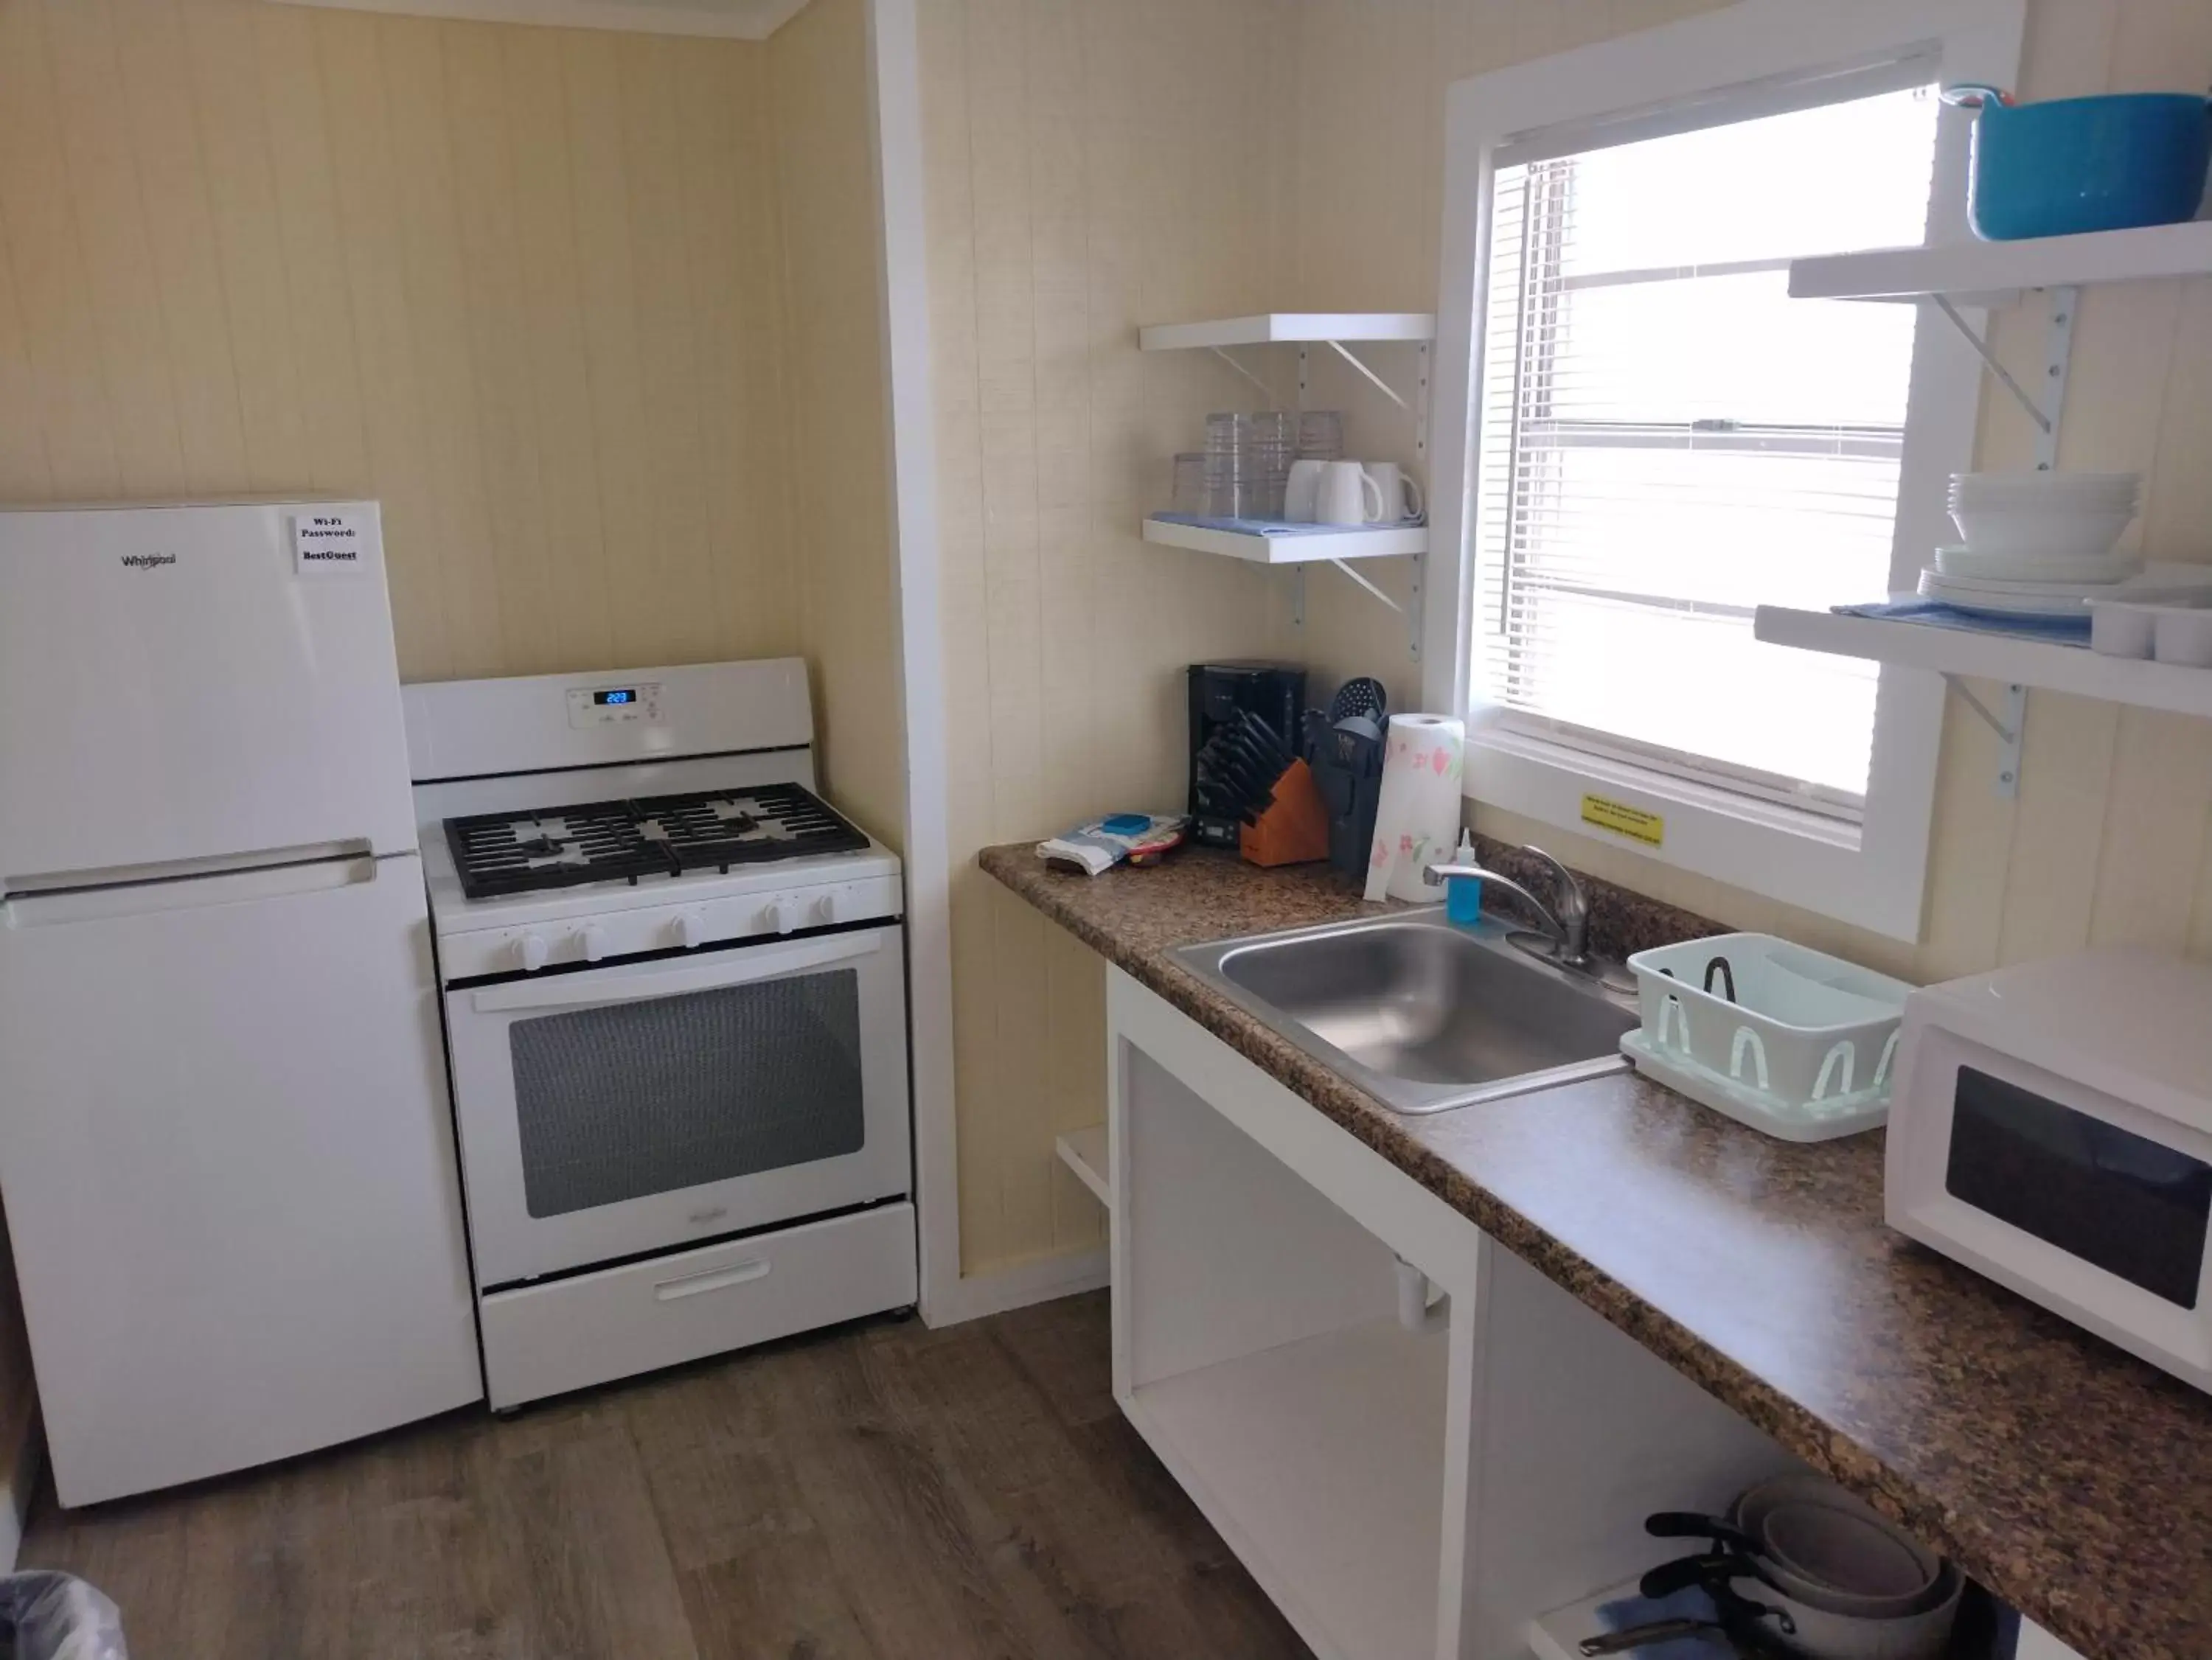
[(638, 1098), (2118, 1201)]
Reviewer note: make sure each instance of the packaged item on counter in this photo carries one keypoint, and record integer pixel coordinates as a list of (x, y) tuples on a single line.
[(1138, 838)]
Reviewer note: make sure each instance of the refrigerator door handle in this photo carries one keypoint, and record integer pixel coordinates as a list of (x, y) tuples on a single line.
[(91, 903), (259, 859)]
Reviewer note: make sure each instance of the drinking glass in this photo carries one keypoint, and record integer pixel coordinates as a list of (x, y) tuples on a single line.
[(1321, 435)]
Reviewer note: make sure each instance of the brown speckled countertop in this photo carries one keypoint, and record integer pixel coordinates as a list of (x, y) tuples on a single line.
[(2071, 1478)]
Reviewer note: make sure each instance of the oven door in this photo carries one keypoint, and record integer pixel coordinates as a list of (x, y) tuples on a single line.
[(626, 1109)]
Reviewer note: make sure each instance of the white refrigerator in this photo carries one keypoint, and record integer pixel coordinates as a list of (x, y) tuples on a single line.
[(225, 1151)]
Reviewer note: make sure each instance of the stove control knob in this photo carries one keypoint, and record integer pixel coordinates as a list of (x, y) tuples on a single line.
[(829, 908), (691, 930), (783, 915), (532, 950), (595, 942)]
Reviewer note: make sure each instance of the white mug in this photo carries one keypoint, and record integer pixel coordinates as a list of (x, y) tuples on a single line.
[(1302, 495), (1348, 495), (1400, 492)]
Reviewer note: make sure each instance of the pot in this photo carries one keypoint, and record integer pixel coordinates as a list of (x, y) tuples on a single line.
[(2071, 165), (1824, 1634)]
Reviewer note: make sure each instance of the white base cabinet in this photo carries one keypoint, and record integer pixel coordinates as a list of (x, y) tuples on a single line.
[(1405, 1485)]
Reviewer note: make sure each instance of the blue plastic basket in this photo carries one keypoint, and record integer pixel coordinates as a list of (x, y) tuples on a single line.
[(2071, 165)]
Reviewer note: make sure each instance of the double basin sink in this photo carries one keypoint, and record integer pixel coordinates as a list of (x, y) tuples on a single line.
[(1422, 1013)]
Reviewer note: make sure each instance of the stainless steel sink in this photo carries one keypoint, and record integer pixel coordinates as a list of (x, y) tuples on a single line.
[(1421, 1014)]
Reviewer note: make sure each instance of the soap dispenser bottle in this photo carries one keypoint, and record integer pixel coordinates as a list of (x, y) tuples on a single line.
[(1463, 894)]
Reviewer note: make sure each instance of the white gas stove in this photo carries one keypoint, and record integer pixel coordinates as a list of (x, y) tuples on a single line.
[(675, 1004)]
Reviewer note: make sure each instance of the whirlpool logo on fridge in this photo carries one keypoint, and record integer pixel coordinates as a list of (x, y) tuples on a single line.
[(147, 561)]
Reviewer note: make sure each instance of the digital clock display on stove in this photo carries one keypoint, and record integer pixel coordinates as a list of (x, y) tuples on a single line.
[(616, 697)]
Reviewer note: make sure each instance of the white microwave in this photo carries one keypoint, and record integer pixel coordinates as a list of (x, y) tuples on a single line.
[(2050, 1126)]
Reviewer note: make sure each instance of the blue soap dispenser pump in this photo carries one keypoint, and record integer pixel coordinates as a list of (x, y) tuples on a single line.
[(1463, 894)]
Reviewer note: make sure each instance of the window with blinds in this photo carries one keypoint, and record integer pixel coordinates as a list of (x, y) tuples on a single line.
[(1667, 440)]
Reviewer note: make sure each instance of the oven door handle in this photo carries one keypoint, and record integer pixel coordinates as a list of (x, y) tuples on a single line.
[(737, 968)]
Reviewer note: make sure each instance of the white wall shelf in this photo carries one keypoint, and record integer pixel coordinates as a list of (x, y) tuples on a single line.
[(1351, 543), (1084, 1152), (1979, 274), (2004, 658), (1985, 273), (1312, 547), (1289, 328), (740, 19), (1306, 330)]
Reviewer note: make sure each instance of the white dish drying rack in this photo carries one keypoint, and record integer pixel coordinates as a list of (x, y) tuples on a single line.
[(1790, 1041)]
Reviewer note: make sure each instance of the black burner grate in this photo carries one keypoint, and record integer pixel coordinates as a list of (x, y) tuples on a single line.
[(547, 847)]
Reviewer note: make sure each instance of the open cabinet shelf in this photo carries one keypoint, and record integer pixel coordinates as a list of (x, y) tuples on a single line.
[(1304, 546), (1289, 328), (2006, 659), (1988, 272), (1320, 1462)]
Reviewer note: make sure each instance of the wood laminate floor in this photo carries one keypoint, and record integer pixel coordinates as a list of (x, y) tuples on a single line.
[(881, 1492)]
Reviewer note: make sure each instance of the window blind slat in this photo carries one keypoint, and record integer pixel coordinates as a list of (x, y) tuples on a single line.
[(1667, 440)]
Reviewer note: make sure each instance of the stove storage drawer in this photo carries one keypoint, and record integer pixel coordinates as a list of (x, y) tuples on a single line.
[(592, 1328)]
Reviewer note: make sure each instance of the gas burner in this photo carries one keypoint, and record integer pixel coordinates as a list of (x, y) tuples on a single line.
[(499, 853)]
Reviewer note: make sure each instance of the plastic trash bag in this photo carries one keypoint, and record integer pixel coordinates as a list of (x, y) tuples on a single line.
[(57, 1617)]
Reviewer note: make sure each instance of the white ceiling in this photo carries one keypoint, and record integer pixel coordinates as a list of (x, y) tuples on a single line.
[(739, 19)]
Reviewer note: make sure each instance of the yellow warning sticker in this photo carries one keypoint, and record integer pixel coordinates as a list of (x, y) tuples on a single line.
[(1623, 819)]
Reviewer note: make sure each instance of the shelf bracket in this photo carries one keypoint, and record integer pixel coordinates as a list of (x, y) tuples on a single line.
[(1382, 385), (2057, 358), (2010, 726), (1368, 586), (1421, 410), (1223, 355), (1415, 592), (2043, 409)]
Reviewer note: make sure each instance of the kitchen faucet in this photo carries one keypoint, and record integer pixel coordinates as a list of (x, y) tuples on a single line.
[(1568, 924)]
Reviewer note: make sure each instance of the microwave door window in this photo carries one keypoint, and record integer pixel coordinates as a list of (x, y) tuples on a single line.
[(632, 1099), (2117, 1201)]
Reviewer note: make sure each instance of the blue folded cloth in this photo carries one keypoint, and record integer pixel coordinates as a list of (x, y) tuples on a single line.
[(2054, 631)]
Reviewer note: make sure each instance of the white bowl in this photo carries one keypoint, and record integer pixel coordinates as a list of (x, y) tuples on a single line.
[(2048, 532), (2036, 501), (1973, 565), (2045, 484)]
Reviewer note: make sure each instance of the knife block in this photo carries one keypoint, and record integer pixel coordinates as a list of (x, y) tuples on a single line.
[(1294, 829)]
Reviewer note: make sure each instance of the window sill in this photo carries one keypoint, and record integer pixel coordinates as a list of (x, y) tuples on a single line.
[(1870, 876)]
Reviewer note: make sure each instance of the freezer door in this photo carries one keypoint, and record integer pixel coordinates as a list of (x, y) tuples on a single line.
[(180, 684), (229, 1170)]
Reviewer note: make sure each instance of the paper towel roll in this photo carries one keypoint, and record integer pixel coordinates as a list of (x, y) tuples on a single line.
[(1417, 820)]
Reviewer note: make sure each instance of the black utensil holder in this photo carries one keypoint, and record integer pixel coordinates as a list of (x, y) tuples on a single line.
[(1352, 794)]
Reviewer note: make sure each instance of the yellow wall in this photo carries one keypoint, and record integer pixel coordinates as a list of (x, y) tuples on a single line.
[(1083, 179), (841, 548), (2111, 838), (522, 284), (591, 314), (1089, 167)]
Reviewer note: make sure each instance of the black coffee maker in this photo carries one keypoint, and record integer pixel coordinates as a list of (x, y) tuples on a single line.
[(1220, 693)]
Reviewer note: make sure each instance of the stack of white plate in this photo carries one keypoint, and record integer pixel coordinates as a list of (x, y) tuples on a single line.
[(2034, 544)]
